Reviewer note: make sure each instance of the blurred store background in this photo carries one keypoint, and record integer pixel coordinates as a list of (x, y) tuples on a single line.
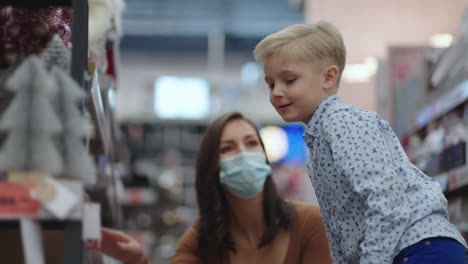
[(406, 60), (161, 70)]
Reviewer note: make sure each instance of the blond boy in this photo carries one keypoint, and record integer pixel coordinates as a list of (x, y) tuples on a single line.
[(377, 207)]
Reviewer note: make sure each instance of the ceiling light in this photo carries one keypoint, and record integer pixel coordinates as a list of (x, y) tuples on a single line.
[(361, 72), (441, 40)]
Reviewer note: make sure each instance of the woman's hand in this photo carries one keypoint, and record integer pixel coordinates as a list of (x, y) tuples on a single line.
[(119, 246)]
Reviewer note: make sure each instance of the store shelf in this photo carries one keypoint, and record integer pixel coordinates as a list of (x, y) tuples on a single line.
[(451, 157), (441, 106), (139, 196), (462, 226), (454, 56), (442, 179), (67, 233), (458, 178), (71, 226), (45, 224), (104, 195), (35, 3), (453, 182)]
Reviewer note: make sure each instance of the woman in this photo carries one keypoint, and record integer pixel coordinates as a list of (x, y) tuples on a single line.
[(242, 219)]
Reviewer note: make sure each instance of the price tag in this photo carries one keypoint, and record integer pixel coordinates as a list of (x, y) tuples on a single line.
[(15, 201), (91, 221), (55, 197)]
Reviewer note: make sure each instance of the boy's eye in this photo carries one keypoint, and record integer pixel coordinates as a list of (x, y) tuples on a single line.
[(290, 81), (271, 86)]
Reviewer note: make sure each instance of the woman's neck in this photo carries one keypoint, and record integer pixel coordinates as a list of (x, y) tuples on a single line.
[(248, 218)]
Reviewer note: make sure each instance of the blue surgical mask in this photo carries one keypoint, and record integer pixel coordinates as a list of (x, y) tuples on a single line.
[(245, 173)]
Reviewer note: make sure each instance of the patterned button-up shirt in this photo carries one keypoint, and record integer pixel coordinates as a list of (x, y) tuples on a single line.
[(374, 201)]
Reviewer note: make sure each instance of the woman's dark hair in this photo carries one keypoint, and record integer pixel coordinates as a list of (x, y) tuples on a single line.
[(214, 238)]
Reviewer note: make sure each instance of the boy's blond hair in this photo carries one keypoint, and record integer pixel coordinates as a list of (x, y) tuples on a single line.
[(320, 42)]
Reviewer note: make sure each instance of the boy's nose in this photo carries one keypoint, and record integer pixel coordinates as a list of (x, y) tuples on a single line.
[(277, 92)]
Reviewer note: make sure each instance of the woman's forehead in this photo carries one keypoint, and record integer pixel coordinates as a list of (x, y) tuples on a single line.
[(236, 129)]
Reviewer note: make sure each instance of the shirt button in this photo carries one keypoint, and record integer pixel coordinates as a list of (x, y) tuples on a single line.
[(428, 242), (405, 260)]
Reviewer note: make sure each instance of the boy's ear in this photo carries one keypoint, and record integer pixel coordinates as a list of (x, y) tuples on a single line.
[(330, 77)]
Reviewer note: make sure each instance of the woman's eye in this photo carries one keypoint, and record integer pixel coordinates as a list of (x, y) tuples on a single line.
[(252, 143), (226, 149)]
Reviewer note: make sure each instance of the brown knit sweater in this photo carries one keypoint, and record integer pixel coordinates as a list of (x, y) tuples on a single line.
[(308, 240)]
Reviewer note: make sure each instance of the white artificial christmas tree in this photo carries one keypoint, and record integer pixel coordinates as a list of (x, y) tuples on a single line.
[(77, 161), (57, 54), (30, 121)]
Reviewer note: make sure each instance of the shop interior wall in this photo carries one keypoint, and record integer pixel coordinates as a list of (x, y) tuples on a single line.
[(370, 27)]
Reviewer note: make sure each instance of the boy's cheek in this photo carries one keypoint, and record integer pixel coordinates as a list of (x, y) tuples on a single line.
[(272, 104)]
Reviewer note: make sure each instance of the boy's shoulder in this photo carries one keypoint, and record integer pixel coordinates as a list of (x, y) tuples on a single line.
[(334, 116), (345, 117), (343, 112)]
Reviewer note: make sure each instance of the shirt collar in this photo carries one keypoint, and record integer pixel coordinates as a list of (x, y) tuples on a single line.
[(314, 123)]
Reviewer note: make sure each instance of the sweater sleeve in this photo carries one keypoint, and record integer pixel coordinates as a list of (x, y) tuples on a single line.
[(186, 251), (314, 248)]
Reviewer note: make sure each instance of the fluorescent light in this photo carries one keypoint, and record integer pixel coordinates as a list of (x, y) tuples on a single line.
[(181, 97), (441, 40), (362, 72)]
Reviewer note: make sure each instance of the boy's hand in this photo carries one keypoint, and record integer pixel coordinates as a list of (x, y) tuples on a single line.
[(119, 246)]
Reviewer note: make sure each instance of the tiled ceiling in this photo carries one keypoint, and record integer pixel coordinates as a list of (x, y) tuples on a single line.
[(243, 18)]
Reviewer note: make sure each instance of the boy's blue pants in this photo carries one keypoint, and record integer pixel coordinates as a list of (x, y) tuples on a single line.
[(437, 250)]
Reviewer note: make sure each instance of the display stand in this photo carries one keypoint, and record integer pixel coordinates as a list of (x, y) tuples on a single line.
[(73, 245)]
